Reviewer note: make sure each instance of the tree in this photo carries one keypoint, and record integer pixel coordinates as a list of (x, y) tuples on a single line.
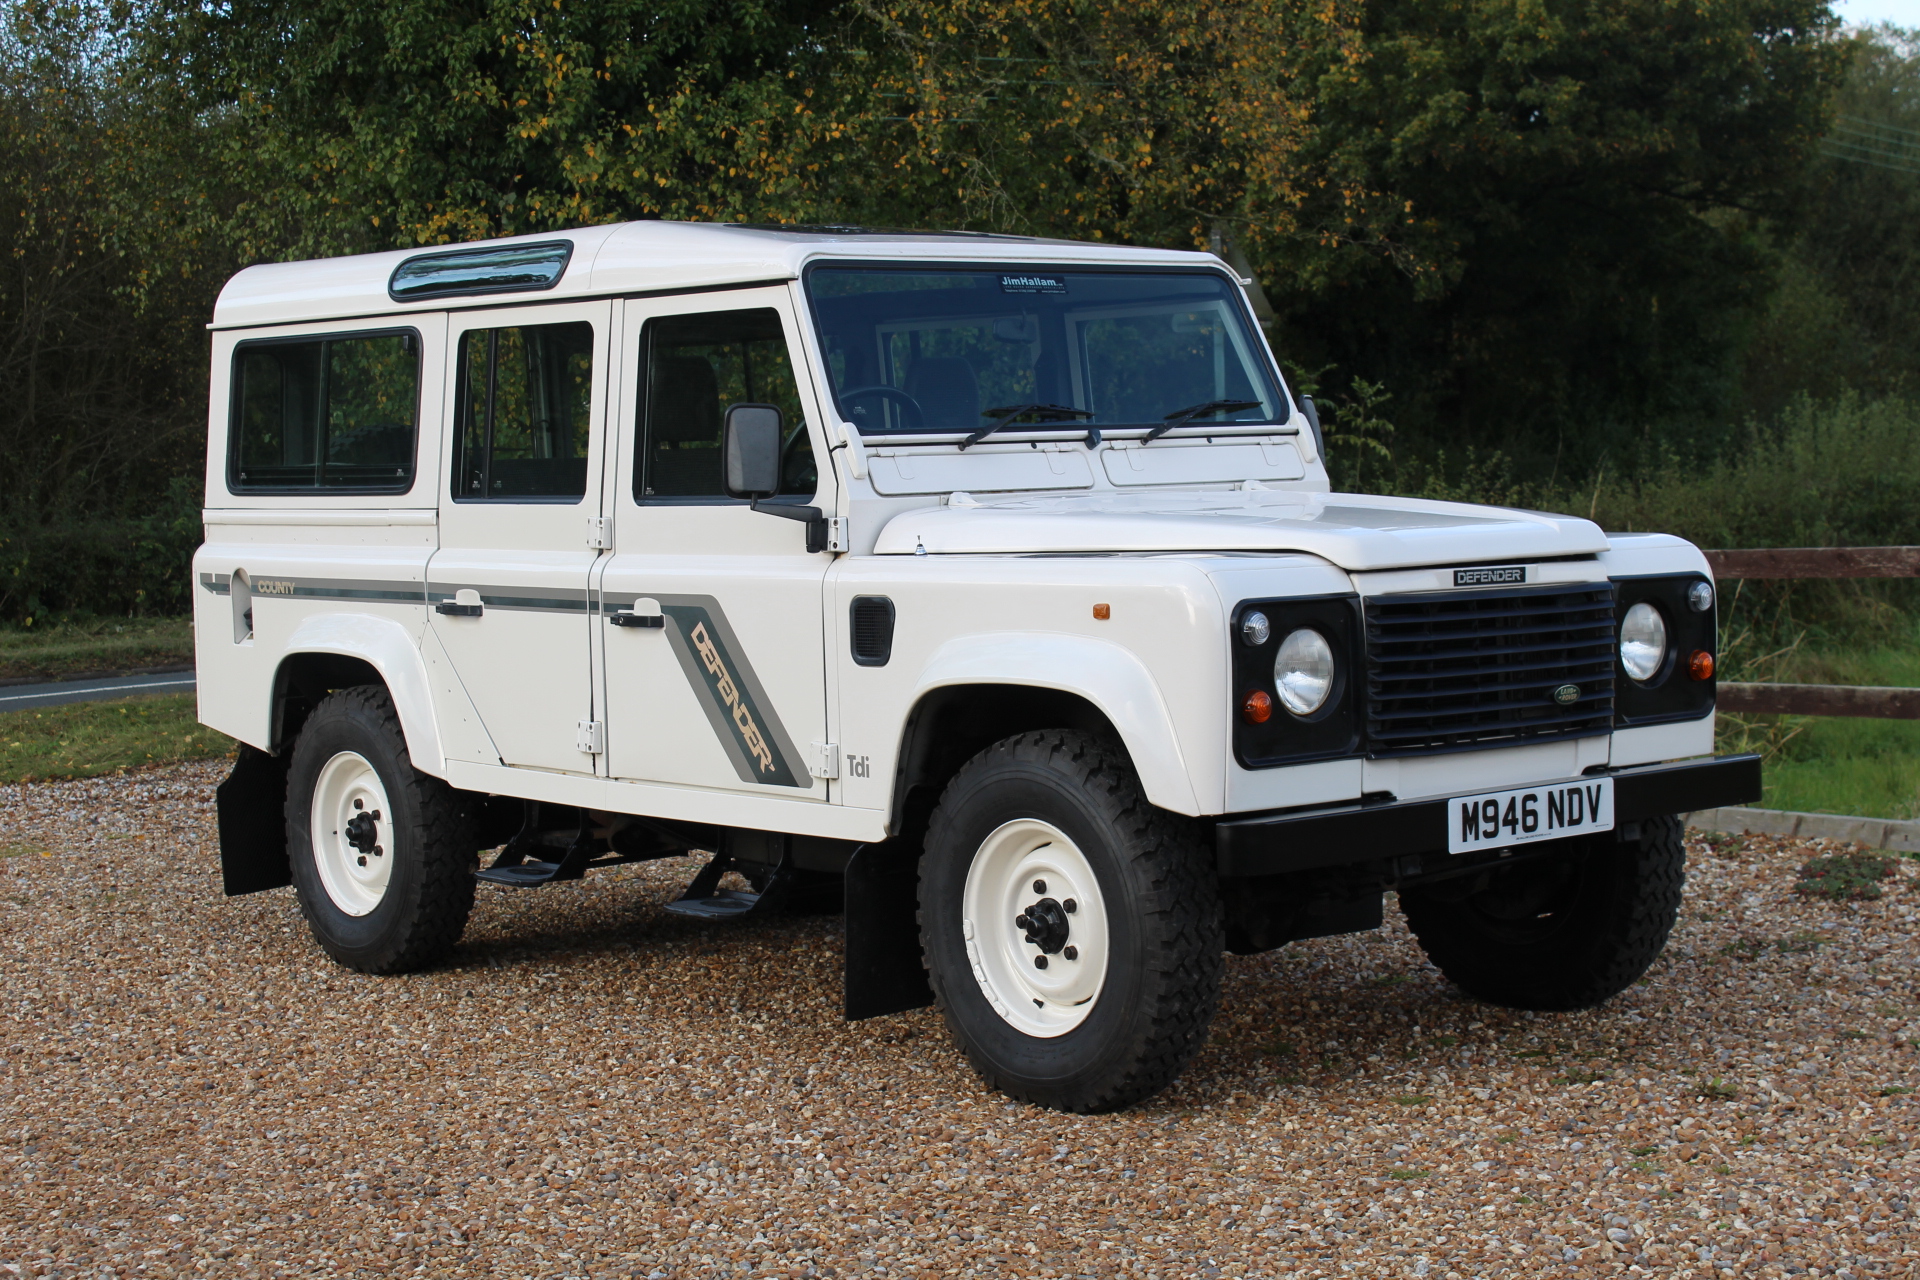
[(1539, 222)]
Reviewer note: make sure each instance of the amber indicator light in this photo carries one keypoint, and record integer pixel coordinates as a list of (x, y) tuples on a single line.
[(1258, 708), (1700, 665), (1103, 611)]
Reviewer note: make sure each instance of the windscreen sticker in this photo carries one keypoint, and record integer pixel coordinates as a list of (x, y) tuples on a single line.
[(736, 704), (1032, 284)]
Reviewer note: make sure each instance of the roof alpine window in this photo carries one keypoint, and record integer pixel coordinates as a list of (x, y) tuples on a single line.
[(519, 268)]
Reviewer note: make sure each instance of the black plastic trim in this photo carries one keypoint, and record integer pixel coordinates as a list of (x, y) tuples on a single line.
[(1671, 695), (1274, 843), (1330, 733)]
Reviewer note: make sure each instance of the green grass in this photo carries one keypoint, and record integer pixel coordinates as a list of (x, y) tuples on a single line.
[(87, 739), (1869, 768), (64, 650)]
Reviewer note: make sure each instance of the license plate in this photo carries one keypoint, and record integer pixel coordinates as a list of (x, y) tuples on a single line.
[(1503, 818)]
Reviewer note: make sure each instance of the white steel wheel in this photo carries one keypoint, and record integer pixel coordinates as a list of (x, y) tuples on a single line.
[(1035, 928), (352, 825)]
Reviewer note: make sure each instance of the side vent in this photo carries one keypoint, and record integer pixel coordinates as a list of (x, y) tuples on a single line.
[(872, 630)]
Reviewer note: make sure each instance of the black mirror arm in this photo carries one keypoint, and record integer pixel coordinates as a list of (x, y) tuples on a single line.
[(785, 511), (817, 532)]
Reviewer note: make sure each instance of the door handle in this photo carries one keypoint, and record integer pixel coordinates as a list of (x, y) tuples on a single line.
[(642, 613), (465, 604)]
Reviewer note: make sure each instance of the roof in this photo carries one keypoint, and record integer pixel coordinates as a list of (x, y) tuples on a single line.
[(642, 257)]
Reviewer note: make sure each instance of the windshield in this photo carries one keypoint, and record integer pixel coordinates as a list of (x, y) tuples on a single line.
[(954, 350)]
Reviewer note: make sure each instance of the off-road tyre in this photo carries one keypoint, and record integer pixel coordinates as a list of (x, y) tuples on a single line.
[(433, 830), (1164, 934), (1562, 933)]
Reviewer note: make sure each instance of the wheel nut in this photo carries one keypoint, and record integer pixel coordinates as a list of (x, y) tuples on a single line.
[(1039, 886), (359, 804), (1039, 962), (362, 859), (378, 851), (1071, 953), (1069, 906)]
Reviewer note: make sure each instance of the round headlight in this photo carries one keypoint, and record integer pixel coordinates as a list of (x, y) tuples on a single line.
[(1254, 629), (1700, 596), (1643, 641), (1303, 671)]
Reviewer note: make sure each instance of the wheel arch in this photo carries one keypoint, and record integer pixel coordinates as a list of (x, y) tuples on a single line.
[(339, 650), (977, 690)]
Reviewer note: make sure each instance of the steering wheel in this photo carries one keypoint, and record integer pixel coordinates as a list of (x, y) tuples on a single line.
[(912, 419)]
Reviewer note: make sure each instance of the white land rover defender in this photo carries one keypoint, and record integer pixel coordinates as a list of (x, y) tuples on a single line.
[(987, 588)]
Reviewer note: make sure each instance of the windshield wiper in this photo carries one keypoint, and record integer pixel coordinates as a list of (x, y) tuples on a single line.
[(1181, 417), (1006, 413)]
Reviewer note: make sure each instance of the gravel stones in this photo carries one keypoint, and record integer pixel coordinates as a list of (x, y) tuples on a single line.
[(595, 1088)]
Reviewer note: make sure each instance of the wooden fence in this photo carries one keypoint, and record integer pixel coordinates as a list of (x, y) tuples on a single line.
[(1818, 699)]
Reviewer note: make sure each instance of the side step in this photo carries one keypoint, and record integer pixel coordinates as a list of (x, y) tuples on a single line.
[(721, 904), (516, 867), (706, 900)]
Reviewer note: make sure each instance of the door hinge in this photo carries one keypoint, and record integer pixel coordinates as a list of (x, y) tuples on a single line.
[(591, 737), (600, 532), (839, 532), (826, 760)]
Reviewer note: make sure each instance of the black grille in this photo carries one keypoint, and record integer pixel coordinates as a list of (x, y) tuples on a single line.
[(872, 618), (1456, 670)]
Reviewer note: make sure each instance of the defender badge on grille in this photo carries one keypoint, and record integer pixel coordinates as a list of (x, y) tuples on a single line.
[(1567, 694)]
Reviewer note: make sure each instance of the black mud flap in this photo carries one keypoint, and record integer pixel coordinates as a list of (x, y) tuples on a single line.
[(253, 823), (885, 972)]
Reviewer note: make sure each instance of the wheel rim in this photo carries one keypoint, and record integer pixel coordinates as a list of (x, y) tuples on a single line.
[(352, 825), (1008, 922)]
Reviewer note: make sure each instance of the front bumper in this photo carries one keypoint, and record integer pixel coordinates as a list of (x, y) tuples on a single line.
[(1303, 840)]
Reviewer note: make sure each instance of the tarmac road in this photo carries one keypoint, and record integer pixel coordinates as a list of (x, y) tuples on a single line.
[(27, 697)]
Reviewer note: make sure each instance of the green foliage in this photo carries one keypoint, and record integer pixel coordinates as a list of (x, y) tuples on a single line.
[(1842, 876), (1541, 225), (77, 562), (1847, 302)]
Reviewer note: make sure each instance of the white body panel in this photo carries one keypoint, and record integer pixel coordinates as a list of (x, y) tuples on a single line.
[(993, 558)]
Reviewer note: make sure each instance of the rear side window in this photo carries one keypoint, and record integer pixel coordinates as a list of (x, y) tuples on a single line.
[(525, 412), (325, 415)]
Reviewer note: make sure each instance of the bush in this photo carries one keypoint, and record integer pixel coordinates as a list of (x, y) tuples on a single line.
[(136, 565)]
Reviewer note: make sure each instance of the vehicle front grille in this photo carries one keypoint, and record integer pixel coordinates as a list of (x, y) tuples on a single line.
[(1453, 670)]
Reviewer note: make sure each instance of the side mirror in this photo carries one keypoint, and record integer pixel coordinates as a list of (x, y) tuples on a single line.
[(750, 444)]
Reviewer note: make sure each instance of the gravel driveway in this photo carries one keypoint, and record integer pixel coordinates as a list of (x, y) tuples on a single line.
[(594, 1088)]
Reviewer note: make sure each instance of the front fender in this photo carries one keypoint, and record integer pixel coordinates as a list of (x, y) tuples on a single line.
[(1111, 678), (389, 648)]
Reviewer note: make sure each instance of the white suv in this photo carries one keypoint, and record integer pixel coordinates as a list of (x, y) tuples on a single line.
[(988, 588)]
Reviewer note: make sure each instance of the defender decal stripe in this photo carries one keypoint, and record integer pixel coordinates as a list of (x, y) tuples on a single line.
[(735, 702)]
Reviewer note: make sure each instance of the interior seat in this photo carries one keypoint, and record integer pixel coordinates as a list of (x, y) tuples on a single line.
[(683, 428)]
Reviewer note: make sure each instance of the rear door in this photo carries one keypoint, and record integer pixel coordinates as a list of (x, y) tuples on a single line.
[(729, 690), (508, 587)]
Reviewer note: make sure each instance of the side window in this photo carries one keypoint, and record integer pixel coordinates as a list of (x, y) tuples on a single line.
[(524, 406), (332, 414), (697, 365)]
